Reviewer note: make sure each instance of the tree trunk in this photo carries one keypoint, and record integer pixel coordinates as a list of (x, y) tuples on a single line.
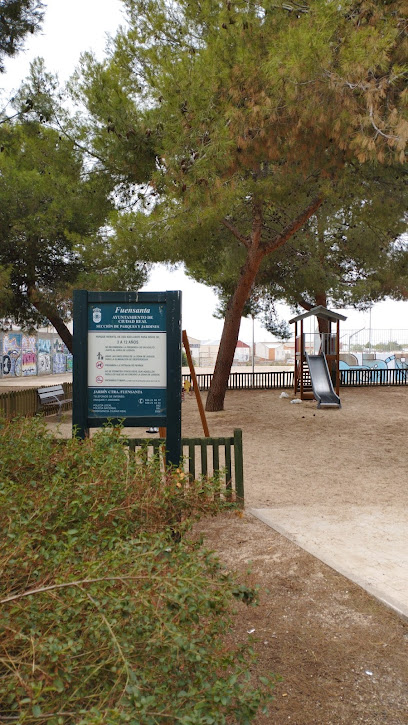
[(230, 332), (324, 325), (320, 299), (53, 318), (62, 329), (256, 252)]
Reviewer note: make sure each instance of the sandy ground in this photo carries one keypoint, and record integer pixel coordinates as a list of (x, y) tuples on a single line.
[(332, 480), (33, 381), (302, 455), (341, 654)]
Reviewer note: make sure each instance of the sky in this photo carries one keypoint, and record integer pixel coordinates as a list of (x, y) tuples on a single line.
[(73, 26)]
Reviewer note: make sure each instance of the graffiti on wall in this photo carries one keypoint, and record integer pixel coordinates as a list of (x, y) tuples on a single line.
[(59, 362), (44, 356), (61, 358), (374, 361), (12, 354), (29, 355), (44, 345), (24, 354)]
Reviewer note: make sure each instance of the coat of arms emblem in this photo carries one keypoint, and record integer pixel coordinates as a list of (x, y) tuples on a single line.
[(97, 314)]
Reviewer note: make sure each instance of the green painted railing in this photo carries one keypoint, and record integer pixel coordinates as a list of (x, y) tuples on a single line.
[(213, 457)]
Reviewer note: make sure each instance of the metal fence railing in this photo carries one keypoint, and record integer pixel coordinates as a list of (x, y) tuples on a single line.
[(373, 377), (285, 379), (249, 380), (25, 402), (369, 338)]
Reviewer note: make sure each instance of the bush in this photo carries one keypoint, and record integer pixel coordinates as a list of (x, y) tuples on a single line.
[(107, 616)]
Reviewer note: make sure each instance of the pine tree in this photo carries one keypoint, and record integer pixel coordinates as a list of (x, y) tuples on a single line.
[(254, 109), (17, 19), (353, 252), (52, 213)]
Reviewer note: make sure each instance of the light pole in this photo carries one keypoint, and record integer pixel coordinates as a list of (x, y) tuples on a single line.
[(253, 348), (355, 333), (369, 329)]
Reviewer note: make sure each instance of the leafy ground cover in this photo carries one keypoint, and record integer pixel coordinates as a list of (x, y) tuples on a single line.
[(109, 613)]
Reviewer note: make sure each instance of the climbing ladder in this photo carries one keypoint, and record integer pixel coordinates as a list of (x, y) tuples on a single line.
[(304, 384)]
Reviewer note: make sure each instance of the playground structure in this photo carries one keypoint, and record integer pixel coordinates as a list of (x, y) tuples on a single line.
[(317, 358)]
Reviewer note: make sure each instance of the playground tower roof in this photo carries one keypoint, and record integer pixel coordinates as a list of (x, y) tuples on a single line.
[(319, 311)]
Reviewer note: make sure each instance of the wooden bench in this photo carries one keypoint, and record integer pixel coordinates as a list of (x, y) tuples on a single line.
[(54, 396)]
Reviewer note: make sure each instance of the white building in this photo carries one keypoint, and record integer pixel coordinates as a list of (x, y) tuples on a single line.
[(194, 349), (278, 351), (242, 352), (209, 351)]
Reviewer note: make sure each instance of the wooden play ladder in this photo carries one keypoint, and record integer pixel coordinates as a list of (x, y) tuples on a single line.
[(306, 382)]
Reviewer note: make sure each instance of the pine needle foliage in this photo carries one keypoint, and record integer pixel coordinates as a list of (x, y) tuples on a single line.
[(254, 108), (18, 18)]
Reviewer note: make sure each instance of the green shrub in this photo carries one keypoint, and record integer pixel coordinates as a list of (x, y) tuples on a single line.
[(106, 618)]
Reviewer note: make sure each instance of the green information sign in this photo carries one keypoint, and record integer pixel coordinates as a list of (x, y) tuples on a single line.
[(127, 361)]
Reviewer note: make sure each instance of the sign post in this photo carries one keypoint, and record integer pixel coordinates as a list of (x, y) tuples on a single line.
[(127, 362)]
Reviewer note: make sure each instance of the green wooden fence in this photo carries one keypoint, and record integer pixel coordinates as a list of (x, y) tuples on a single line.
[(213, 457), (221, 457), (16, 403)]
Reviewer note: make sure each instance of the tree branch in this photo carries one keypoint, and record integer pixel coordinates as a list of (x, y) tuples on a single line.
[(257, 225), (303, 303), (293, 227), (45, 309), (244, 240), (64, 585)]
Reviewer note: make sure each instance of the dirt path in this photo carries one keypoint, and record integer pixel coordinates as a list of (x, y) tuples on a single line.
[(342, 655), (332, 480)]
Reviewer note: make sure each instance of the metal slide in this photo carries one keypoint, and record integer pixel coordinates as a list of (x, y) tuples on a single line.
[(321, 381)]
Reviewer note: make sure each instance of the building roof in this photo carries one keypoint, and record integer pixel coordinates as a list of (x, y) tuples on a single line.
[(319, 311), (241, 344), (193, 340), (275, 344)]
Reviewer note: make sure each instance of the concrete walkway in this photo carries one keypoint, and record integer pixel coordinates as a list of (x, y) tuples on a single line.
[(367, 544), (34, 381)]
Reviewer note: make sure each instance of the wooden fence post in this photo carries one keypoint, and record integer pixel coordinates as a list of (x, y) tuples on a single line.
[(195, 385), (239, 466)]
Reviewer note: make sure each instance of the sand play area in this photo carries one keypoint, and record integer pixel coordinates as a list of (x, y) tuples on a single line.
[(332, 480)]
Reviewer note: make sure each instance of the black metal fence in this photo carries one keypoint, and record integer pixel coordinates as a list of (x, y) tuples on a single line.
[(372, 377), (25, 402), (285, 379), (249, 380)]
